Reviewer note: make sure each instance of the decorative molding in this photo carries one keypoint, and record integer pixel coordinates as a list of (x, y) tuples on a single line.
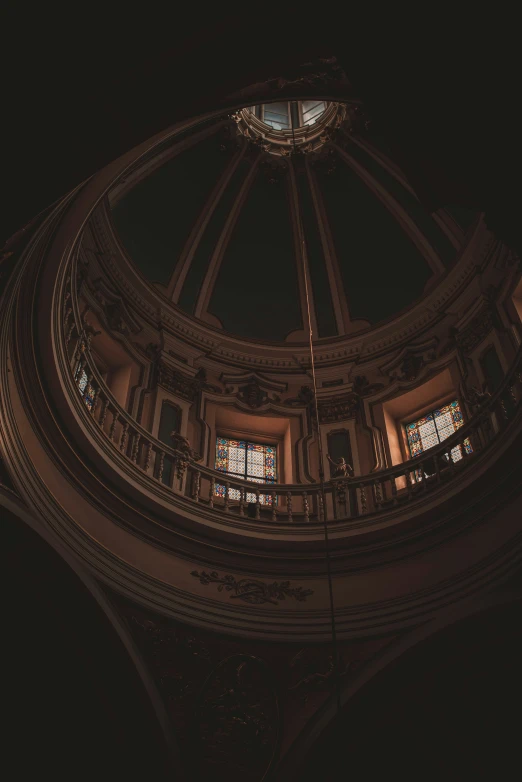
[(182, 385), (88, 518), (304, 398), (176, 383), (409, 363), (233, 381), (113, 307), (310, 676), (253, 395), (479, 327), (252, 591), (253, 389), (184, 453), (363, 387), (226, 349), (338, 408)]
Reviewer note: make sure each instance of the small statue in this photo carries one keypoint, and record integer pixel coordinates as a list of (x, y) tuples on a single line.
[(184, 452), (180, 443), (341, 467), (476, 397)]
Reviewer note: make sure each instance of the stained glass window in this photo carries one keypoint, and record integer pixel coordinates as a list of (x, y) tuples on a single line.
[(434, 427), (86, 390), (250, 461)]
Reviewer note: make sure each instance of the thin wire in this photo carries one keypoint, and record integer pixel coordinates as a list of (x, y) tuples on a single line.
[(294, 103), (336, 671)]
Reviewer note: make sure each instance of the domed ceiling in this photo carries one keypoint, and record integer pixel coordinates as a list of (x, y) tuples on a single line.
[(217, 223)]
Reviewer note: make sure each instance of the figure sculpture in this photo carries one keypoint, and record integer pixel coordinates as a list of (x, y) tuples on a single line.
[(341, 467)]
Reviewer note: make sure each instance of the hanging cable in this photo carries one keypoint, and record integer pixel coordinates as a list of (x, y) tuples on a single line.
[(293, 106), (335, 652)]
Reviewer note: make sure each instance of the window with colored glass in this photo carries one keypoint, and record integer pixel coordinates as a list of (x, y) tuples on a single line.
[(246, 460), (434, 427), (85, 388)]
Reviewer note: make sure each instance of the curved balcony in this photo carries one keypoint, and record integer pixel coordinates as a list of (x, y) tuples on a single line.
[(145, 518), (360, 498)]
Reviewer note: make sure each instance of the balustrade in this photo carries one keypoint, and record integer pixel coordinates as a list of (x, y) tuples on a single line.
[(343, 498)]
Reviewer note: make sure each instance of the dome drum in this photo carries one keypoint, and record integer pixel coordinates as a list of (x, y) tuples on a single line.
[(171, 519)]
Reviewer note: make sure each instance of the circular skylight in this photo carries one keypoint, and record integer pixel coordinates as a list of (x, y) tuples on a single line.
[(283, 126), (288, 115)]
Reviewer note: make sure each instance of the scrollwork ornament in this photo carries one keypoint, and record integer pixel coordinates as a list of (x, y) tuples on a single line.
[(237, 721), (251, 590)]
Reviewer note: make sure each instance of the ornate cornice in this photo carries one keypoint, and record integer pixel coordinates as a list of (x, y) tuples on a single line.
[(338, 408), (252, 591), (231, 351), (477, 330), (176, 383)]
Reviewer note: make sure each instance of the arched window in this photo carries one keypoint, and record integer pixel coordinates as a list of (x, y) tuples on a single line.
[(247, 460)]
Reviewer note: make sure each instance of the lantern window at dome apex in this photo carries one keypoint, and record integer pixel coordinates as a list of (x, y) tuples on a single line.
[(281, 127), (288, 115)]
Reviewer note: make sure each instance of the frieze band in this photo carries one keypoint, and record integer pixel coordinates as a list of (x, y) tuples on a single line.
[(253, 591)]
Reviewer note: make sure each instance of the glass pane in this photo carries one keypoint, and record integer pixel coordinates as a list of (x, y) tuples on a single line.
[(443, 419), (312, 110), (236, 458), (230, 455), (276, 115), (256, 460), (82, 379), (446, 432), (270, 464)]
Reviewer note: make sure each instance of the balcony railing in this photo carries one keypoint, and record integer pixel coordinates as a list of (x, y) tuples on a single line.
[(343, 498)]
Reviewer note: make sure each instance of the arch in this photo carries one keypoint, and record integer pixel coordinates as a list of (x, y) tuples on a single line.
[(80, 700), (474, 637)]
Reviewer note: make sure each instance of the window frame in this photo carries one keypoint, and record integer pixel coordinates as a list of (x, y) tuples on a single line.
[(288, 114), (299, 111), (305, 124), (247, 441)]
